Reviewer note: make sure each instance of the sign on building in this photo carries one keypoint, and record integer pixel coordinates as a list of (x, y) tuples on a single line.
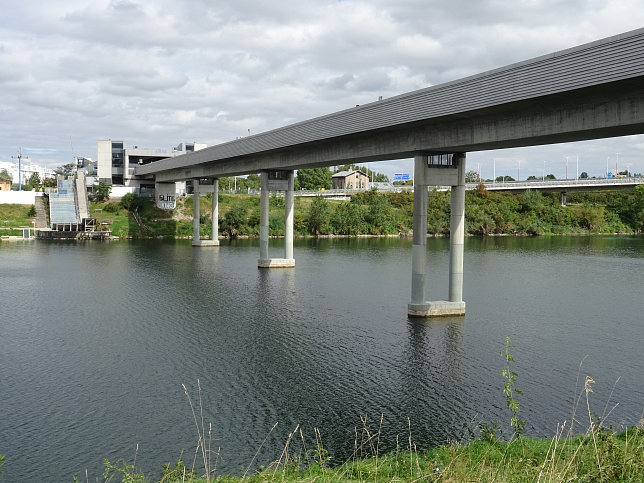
[(165, 194)]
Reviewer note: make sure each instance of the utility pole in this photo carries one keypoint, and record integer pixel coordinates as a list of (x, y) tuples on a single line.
[(20, 156)]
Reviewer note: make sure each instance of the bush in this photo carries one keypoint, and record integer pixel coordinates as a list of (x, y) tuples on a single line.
[(319, 217), (132, 202), (235, 221)]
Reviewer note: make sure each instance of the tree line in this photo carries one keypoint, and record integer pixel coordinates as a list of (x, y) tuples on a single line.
[(486, 213), (391, 213)]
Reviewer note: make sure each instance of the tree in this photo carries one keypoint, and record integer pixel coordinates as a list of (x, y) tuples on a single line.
[(505, 178), (471, 176), (102, 191), (252, 181), (65, 169), (551, 176), (235, 220), (132, 202), (49, 182), (348, 219), (33, 182), (314, 178), (319, 216), (5, 176), (379, 215), (583, 175)]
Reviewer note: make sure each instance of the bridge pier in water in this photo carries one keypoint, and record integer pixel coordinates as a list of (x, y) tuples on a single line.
[(196, 214), (277, 181), (438, 170)]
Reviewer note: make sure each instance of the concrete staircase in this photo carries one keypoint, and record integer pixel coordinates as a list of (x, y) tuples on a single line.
[(41, 212), (81, 195)]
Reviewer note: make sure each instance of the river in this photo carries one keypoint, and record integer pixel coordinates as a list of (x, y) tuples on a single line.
[(97, 338)]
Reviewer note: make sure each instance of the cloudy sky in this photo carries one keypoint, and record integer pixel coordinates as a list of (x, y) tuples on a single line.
[(155, 73)]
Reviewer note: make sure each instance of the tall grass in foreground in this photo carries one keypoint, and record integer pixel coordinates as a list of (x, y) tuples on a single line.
[(599, 454)]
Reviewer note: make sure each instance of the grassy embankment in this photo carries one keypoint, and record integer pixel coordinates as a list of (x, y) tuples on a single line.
[(373, 213), (15, 217)]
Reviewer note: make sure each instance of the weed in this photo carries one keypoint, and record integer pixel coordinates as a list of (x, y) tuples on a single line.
[(124, 470), (510, 390), (488, 431), (204, 441)]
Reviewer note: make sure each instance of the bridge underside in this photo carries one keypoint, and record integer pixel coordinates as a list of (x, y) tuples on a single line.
[(590, 113)]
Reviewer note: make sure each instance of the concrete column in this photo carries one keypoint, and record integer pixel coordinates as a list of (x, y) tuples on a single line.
[(419, 246), (196, 212), (263, 216), (457, 234), (215, 210), (288, 217), (563, 198)]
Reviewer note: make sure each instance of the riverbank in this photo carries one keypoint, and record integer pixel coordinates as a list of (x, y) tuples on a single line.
[(597, 455), (390, 214), (371, 213)]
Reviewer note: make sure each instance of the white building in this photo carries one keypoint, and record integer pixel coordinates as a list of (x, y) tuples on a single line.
[(26, 171), (116, 163)]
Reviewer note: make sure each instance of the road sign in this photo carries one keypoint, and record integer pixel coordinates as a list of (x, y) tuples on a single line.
[(401, 176)]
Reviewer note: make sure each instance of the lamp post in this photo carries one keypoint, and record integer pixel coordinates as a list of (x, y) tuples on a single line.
[(19, 168)]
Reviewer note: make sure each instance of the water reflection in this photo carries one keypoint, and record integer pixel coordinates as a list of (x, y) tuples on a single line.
[(100, 337)]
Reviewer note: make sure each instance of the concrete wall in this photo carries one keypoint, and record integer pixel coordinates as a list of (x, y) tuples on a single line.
[(104, 160), (19, 197)]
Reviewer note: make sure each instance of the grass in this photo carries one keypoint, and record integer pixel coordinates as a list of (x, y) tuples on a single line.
[(598, 454), (14, 216)]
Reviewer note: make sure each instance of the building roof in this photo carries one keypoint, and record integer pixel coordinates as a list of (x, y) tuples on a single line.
[(344, 174)]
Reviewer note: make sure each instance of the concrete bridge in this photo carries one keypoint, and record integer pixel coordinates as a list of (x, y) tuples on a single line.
[(592, 91)]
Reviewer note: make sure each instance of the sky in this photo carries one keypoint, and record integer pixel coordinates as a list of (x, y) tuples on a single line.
[(155, 73)]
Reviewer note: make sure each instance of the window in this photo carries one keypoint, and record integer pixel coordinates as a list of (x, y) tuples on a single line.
[(440, 160), (281, 175)]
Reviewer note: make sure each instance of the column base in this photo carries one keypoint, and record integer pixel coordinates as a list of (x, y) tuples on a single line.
[(440, 308), (205, 243), (276, 263)]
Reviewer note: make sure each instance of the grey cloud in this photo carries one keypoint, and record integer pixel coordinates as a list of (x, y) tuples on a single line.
[(154, 72)]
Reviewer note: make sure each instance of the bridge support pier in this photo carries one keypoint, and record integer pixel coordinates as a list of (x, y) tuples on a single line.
[(438, 170), (279, 181), (563, 198), (196, 239)]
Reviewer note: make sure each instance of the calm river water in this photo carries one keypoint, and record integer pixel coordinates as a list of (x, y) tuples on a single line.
[(96, 340)]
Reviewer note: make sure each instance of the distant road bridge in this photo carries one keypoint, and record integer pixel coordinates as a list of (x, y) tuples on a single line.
[(558, 185), (592, 91), (548, 185)]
